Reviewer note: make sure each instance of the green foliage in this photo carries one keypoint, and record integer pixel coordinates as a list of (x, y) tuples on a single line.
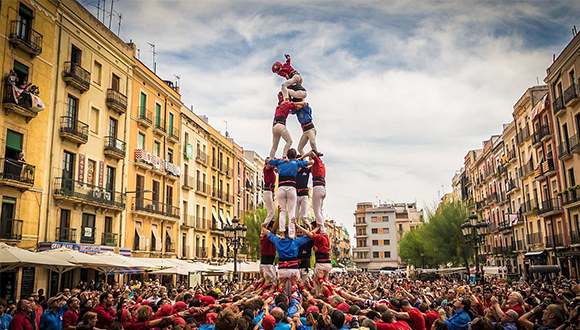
[(439, 239), (253, 219)]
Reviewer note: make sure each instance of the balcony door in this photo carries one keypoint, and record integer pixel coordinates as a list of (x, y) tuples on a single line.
[(25, 18), (156, 195), (142, 105), (113, 131), (63, 234), (110, 184), (75, 55), (169, 199), (72, 111), (68, 162), (139, 188), (88, 228), (116, 83), (6, 218)]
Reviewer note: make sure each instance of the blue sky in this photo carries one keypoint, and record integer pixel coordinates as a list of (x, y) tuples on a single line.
[(400, 90)]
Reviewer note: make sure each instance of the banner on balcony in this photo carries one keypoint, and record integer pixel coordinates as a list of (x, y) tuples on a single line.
[(24, 94), (189, 151), (158, 163), (539, 107)]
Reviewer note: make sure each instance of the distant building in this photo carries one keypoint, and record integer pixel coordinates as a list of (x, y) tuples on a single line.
[(377, 231)]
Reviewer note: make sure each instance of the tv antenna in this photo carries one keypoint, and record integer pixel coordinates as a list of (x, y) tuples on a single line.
[(152, 50), (177, 79)]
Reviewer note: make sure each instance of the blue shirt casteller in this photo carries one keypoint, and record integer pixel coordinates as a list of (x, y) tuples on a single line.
[(303, 114), (459, 321), (288, 168), (287, 248)]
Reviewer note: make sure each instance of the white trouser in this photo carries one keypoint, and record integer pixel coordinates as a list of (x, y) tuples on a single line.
[(269, 201), (321, 270), (287, 201), (269, 273), (297, 94), (318, 195), (280, 131), (289, 273), (305, 275), (308, 136), (296, 79), (302, 206)]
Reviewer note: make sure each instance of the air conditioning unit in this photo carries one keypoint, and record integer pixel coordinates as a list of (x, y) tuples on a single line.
[(108, 196), (97, 193)]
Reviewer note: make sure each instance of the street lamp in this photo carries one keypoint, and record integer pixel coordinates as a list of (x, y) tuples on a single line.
[(235, 236), (422, 254), (474, 231)]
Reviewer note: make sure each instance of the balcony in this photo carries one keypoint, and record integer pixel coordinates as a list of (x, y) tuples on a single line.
[(574, 143), (527, 169), (545, 132), (11, 229), (159, 126), (492, 198), (83, 193), (173, 134), (558, 105), (116, 101), (169, 246), (556, 240), (214, 164), (110, 239), (570, 95), (114, 147), (88, 235), (74, 75), (523, 135), (360, 223), (16, 174), (188, 182), (535, 239), (145, 117), (74, 130), (546, 169), (66, 235), (14, 101), (202, 188), (575, 237), (25, 38), (155, 208), (564, 151), (201, 157), (202, 223), (201, 252), (550, 207), (529, 206), (519, 245), (512, 185), (570, 196)]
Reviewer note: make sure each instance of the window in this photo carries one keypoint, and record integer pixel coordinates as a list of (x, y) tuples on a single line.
[(97, 72), (400, 227), (375, 242), (375, 255), (141, 141), (113, 129), (13, 145), (110, 184), (374, 219), (387, 254), (68, 162), (170, 129), (21, 71), (72, 111), (375, 230), (386, 218), (75, 55), (116, 83), (25, 17), (387, 242), (94, 121), (88, 228), (170, 155), (108, 225), (63, 230), (142, 105), (157, 115), (156, 147)]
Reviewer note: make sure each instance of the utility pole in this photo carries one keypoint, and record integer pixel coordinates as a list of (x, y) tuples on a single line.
[(111, 14), (154, 53), (119, 28)]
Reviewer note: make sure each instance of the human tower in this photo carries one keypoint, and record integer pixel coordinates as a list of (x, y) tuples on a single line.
[(299, 237)]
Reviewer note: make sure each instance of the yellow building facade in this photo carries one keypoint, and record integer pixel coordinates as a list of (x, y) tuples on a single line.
[(28, 51)]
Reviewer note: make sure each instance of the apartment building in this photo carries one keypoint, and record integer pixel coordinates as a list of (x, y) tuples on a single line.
[(257, 181), (154, 174), (377, 231), (339, 242), (563, 92), (28, 55)]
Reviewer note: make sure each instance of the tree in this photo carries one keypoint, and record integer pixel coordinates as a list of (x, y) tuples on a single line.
[(253, 219), (439, 239)]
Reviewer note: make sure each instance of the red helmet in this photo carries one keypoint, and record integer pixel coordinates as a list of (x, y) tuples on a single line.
[(276, 67)]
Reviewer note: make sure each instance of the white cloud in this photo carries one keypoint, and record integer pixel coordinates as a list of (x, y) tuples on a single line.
[(400, 90)]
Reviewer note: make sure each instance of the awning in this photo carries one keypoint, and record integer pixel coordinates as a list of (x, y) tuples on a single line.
[(215, 218), (123, 270), (168, 232), (535, 254), (11, 256), (142, 239), (81, 259), (157, 237), (222, 218), (545, 269), (228, 218), (570, 253)]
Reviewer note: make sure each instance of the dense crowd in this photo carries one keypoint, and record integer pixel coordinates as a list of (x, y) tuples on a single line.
[(348, 301)]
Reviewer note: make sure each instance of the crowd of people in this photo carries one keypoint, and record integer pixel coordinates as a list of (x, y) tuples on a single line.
[(349, 301)]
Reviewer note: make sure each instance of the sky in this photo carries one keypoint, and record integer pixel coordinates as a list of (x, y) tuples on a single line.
[(400, 90)]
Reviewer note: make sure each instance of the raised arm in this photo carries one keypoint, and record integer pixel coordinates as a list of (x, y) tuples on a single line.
[(301, 229)]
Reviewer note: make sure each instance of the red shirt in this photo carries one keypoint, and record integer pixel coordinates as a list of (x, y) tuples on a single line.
[(286, 69), (516, 308), (138, 325), (318, 169), (321, 243), (70, 318), (20, 321), (269, 175), (399, 325), (431, 317), (104, 316), (416, 320), (267, 248), (283, 110)]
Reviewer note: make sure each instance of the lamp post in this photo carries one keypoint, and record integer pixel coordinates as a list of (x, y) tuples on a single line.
[(235, 238), (422, 254), (474, 231)]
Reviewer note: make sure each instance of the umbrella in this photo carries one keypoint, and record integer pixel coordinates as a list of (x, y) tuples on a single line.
[(82, 259), (11, 257), (131, 265), (243, 267)]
